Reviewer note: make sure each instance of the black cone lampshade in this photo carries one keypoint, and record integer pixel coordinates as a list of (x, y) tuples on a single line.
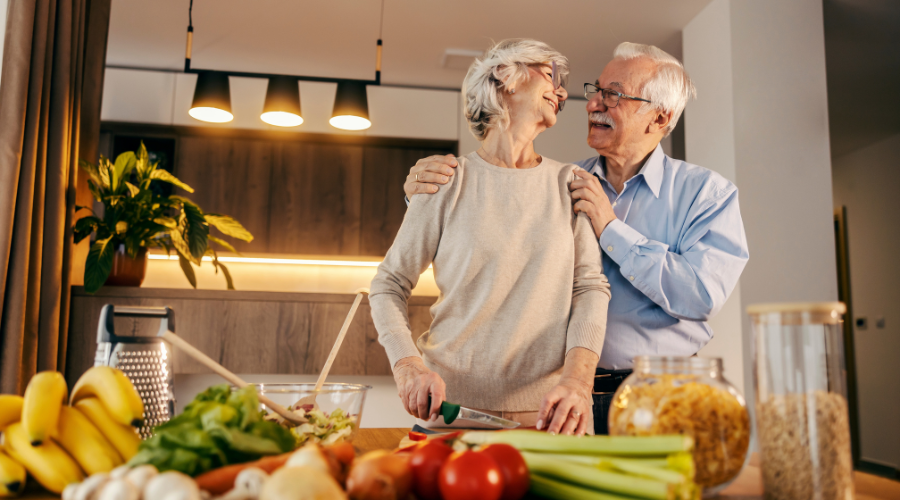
[(282, 107), (351, 107), (212, 98)]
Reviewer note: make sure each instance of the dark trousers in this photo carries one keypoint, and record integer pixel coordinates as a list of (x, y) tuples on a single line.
[(605, 384)]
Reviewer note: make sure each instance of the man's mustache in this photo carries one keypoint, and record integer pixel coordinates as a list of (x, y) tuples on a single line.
[(598, 117)]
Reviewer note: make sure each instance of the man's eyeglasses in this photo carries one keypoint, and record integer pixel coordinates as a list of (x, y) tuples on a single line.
[(610, 97)]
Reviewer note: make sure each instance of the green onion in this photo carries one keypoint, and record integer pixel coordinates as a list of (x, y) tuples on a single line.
[(551, 488), (599, 479), (587, 445)]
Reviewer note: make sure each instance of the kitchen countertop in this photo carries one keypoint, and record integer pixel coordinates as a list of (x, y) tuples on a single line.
[(747, 486)]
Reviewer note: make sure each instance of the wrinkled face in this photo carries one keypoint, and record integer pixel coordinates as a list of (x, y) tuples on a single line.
[(535, 99), (610, 130)]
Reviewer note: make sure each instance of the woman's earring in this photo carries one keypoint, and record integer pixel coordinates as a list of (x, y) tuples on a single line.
[(512, 91)]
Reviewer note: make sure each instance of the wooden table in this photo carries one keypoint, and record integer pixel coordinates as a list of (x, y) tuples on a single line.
[(747, 486)]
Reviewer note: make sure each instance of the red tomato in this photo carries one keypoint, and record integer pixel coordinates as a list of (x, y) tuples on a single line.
[(417, 436), (426, 461), (470, 475), (512, 468)]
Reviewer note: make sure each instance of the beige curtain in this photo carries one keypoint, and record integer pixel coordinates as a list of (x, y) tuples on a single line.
[(53, 59)]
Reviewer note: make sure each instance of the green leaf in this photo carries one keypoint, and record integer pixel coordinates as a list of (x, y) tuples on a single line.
[(180, 245), (165, 176), (92, 170), (143, 161), (196, 228), (104, 173), (166, 221), (229, 227), (95, 192), (218, 265), (84, 227), (98, 265), (125, 162), (188, 270), (224, 244), (121, 227), (134, 190)]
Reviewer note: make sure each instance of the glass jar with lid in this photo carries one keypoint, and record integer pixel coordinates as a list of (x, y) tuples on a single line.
[(686, 395), (801, 400)]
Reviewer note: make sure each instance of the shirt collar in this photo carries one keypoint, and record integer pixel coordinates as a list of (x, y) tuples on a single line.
[(652, 170)]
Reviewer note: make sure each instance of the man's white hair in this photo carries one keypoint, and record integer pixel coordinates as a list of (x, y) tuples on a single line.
[(501, 68), (669, 88)]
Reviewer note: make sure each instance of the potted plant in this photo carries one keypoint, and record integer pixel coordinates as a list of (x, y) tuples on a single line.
[(136, 218)]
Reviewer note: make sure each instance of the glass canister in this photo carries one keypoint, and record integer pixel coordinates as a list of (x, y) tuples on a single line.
[(801, 401), (686, 395)]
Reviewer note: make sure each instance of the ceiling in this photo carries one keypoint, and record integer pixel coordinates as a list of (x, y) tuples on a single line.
[(336, 38), (862, 54)]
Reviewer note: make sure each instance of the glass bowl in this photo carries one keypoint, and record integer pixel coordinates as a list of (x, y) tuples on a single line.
[(340, 408)]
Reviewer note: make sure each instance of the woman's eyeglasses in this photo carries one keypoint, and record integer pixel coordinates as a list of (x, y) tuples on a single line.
[(610, 97)]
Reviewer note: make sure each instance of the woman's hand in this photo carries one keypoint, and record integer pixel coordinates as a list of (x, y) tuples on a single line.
[(566, 408), (416, 383)]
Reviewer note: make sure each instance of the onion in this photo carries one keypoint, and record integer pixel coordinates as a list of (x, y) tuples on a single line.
[(380, 475)]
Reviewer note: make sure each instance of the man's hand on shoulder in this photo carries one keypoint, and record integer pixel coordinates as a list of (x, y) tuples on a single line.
[(590, 198), (427, 173)]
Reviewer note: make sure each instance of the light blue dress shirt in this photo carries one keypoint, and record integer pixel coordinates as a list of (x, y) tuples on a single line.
[(672, 257)]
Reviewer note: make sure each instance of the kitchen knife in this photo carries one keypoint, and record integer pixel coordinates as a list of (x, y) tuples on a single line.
[(451, 412)]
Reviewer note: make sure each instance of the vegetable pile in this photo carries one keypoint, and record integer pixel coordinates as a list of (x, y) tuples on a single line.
[(324, 428), (601, 467), (219, 427)]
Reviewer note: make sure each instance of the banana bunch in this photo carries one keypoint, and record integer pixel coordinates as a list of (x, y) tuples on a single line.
[(59, 443)]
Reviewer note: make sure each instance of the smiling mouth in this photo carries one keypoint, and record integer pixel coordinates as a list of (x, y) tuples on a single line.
[(602, 126), (555, 106)]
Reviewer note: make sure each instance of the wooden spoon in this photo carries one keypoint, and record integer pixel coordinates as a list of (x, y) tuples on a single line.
[(231, 377), (311, 399)]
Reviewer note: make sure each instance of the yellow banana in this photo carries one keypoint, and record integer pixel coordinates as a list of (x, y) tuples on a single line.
[(10, 409), (131, 395), (124, 438), (47, 463), (84, 442), (45, 395), (12, 476), (119, 398)]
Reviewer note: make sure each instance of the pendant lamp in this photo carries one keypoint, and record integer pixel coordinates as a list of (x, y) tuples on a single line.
[(351, 106), (212, 98), (282, 107)]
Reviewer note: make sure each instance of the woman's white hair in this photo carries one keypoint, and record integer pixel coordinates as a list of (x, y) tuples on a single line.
[(501, 68), (669, 88)]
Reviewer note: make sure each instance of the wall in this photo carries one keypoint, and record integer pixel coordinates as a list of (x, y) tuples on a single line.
[(866, 182), (761, 119), (3, 7)]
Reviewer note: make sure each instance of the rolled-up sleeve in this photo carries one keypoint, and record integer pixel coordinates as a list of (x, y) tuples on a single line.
[(590, 292)]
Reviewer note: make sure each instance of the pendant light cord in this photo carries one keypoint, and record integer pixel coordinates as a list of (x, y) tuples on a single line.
[(381, 22), (190, 37)]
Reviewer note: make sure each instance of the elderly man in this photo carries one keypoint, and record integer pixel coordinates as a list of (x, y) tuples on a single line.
[(671, 235)]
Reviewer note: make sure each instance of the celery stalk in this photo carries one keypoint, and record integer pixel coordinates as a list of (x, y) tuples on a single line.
[(599, 479), (597, 460), (587, 445), (551, 488)]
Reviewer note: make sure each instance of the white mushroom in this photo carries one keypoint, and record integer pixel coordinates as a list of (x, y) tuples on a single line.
[(171, 485), (69, 492), (119, 489), (90, 487), (251, 480), (119, 472), (139, 476)]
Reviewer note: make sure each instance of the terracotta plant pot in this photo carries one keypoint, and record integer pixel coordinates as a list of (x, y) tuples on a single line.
[(127, 271)]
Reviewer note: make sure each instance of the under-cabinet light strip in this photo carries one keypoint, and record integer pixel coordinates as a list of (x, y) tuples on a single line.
[(261, 260), (293, 262)]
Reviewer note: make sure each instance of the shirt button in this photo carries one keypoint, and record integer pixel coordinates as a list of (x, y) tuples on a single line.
[(615, 203), (609, 248), (631, 278)]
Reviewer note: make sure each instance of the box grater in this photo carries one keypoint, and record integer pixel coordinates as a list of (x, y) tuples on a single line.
[(144, 360)]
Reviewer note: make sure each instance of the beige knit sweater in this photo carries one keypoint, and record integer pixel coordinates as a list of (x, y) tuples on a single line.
[(520, 283)]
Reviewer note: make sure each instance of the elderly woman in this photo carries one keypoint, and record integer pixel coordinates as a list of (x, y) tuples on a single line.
[(519, 324)]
